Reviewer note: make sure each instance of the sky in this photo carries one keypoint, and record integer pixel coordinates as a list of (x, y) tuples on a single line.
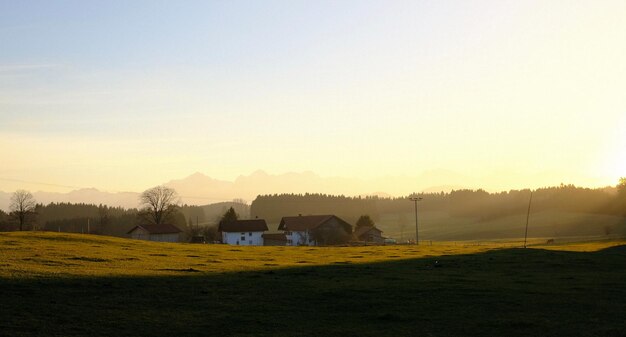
[(125, 95)]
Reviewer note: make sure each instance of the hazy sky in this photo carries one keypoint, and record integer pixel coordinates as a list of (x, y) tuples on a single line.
[(124, 95)]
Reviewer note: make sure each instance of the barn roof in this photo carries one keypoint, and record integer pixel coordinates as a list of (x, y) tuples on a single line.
[(158, 229), (254, 225), (307, 222)]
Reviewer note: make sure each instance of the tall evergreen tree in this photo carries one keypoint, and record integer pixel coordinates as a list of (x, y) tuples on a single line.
[(229, 216)]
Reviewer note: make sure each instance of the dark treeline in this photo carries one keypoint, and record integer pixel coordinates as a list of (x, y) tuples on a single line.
[(83, 218), (477, 204), (101, 219), (105, 220)]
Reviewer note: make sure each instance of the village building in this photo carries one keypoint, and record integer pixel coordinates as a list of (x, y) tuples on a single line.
[(369, 234), (243, 232), (158, 233), (314, 230)]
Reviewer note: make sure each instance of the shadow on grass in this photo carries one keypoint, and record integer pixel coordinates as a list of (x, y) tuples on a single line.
[(510, 292)]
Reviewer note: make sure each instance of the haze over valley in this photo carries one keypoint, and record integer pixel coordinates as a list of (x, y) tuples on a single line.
[(200, 189)]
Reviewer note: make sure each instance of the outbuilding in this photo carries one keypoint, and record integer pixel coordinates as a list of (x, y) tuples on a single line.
[(369, 234), (314, 230), (158, 233)]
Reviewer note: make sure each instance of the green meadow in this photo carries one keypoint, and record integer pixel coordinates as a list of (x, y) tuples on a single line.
[(55, 284)]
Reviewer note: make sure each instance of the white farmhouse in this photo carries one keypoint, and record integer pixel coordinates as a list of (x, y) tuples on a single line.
[(313, 230), (243, 232), (159, 233)]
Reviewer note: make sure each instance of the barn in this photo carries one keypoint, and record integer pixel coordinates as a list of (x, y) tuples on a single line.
[(369, 234), (314, 230), (158, 233)]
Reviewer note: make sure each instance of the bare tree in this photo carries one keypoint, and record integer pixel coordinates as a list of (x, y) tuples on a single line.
[(22, 206), (158, 204)]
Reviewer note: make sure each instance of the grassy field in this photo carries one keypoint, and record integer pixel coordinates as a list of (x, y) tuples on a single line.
[(76, 285)]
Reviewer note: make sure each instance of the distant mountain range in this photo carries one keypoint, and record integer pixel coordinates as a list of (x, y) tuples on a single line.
[(199, 189)]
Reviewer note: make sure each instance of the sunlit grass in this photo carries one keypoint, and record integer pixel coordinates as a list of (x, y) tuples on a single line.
[(48, 254), (84, 285)]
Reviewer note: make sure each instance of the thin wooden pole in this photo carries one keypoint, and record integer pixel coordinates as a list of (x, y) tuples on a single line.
[(527, 217), (417, 240), (416, 199)]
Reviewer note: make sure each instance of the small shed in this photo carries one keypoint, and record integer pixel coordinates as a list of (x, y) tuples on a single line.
[(369, 234), (314, 230), (158, 233)]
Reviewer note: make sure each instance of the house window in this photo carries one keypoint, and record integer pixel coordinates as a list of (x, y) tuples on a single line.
[(243, 238), (242, 234), (250, 234), (287, 233)]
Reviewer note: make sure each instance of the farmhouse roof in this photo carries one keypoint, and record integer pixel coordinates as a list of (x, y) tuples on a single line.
[(157, 229), (254, 225), (359, 231), (306, 222)]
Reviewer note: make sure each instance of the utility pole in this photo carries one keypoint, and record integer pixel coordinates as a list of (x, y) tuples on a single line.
[(528, 216), (415, 200), (88, 227)]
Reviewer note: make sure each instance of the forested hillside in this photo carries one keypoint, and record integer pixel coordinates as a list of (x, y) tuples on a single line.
[(468, 214)]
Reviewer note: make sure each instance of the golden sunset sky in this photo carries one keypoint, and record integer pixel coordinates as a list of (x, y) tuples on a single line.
[(123, 96)]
